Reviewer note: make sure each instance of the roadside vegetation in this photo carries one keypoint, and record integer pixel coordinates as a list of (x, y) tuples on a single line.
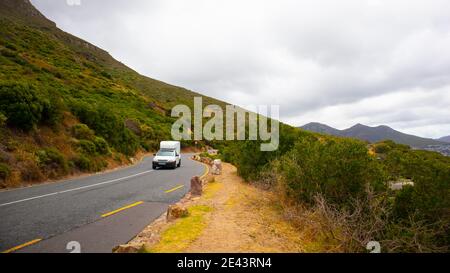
[(343, 186)]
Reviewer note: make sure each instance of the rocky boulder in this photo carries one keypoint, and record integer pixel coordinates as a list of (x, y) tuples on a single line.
[(196, 186), (176, 211)]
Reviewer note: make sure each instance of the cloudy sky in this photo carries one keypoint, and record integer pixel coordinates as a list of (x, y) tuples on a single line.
[(337, 62)]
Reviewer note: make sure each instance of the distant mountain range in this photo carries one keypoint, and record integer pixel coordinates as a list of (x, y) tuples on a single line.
[(375, 134), (445, 139)]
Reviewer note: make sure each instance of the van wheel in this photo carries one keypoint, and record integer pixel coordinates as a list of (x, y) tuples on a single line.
[(179, 164)]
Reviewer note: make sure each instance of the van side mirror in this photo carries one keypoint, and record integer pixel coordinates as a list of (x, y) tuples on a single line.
[(154, 154)]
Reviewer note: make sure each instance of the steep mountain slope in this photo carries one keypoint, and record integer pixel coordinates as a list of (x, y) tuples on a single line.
[(68, 106), (373, 134), (23, 13)]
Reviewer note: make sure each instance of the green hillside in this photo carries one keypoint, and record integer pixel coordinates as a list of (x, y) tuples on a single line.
[(67, 106)]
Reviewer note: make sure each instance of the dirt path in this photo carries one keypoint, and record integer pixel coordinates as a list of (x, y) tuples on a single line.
[(244, 219), (231, 216)]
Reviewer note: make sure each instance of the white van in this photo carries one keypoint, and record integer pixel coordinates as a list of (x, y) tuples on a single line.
[(168, 156)]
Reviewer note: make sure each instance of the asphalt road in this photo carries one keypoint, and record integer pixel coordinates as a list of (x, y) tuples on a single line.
[(73, 209)]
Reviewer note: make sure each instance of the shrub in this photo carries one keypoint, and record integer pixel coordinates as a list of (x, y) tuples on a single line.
[(21, 105), (2, 119), (51, 157), (127, 142), (4, 171), (107, 125), (25, 107), (101, 146), (382, 148), (429, 199), (106, 74), (87, 147), (52, 110), (340, 170), (86, 163), (414, 236), (83, 163), (250, 160), (82, 131)]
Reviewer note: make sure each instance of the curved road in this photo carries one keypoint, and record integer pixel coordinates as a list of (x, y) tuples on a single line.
[(72, 210)]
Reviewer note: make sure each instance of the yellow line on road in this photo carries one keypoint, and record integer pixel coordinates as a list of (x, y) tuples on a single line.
[(206, 171), (22, 246), (174, 189), (121, 209)]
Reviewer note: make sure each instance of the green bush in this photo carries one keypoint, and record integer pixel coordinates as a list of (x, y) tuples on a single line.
[(429, 199), (213, 157), (340, 170), (106, 74), (107, 125), (86, 163), (25, 107), (82, 131), (21, 105), (4, 171), (248, 157), (83, 163), (382, 148), (87, 147), (403, 206), (52, 110), (51, 157), (101, 146)]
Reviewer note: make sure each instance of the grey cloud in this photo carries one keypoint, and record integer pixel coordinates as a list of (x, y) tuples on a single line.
[(338, 62)]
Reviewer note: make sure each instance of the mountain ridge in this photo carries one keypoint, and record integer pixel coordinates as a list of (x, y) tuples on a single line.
[(372, 134), (444, 139)]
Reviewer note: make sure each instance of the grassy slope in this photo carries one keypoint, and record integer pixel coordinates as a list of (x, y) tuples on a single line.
[(72, 71)]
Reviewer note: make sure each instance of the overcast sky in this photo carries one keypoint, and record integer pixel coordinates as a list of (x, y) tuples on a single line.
[(336, 62)]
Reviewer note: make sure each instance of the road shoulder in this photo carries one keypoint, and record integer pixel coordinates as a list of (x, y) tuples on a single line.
[(231, 216)]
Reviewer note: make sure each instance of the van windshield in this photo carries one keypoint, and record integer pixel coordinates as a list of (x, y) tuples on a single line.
[(166, 153)]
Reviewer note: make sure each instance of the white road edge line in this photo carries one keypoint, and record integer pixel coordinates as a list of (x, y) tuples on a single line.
[(75, 189)]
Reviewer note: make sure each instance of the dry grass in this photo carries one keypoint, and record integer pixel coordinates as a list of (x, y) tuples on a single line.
[(181, 234)]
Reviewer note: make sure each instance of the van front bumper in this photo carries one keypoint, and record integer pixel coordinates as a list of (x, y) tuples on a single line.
[(164, 164)]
